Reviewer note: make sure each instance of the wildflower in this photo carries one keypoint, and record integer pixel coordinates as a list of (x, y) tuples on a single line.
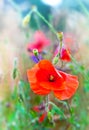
[(36, 58), (36, 109), (44, 78), (41, 110), (64, 54), (35, 52), (42, 117), (40, 42)]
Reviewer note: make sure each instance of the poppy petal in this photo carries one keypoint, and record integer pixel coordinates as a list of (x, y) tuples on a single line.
[(43, 76), (42, 117), (65, 54), (40, 37), (70, 87), (34, 84), (47, 65), (40, 41), (37, 89), (31, 74)]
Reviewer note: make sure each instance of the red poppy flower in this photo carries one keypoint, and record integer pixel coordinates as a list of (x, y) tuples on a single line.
[(39, 108), (65, 54), (42, 117), (36, 109), (40, 42), (44, 78)]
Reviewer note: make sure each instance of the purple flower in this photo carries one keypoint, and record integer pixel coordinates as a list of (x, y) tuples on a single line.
[(36, 59)]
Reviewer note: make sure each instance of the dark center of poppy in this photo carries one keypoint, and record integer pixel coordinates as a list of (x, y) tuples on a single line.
[(51, 78)]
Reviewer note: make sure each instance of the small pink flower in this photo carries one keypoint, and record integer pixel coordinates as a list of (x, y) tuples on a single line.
[(40, 41)]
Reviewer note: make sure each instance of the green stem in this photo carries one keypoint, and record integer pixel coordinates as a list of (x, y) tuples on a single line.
[(62, 102), (15, 7), (61, 43), (69, 108), (84, 72), (47, 101), (51, 103), (83, 7), (31, 122), (49, 25), (37, 22)]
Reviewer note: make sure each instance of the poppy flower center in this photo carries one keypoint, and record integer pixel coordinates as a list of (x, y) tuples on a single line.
[(51, 78)]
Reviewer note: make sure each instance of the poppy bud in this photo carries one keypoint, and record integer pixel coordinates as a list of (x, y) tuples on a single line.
[(49, 115), (35, 52), (55, 59), (26, 20), (34, 8), (60, 35), (15, 69), (65, 54)]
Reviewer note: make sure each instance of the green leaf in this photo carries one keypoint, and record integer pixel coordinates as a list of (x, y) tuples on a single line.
[(14, 73), (57, 110)]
